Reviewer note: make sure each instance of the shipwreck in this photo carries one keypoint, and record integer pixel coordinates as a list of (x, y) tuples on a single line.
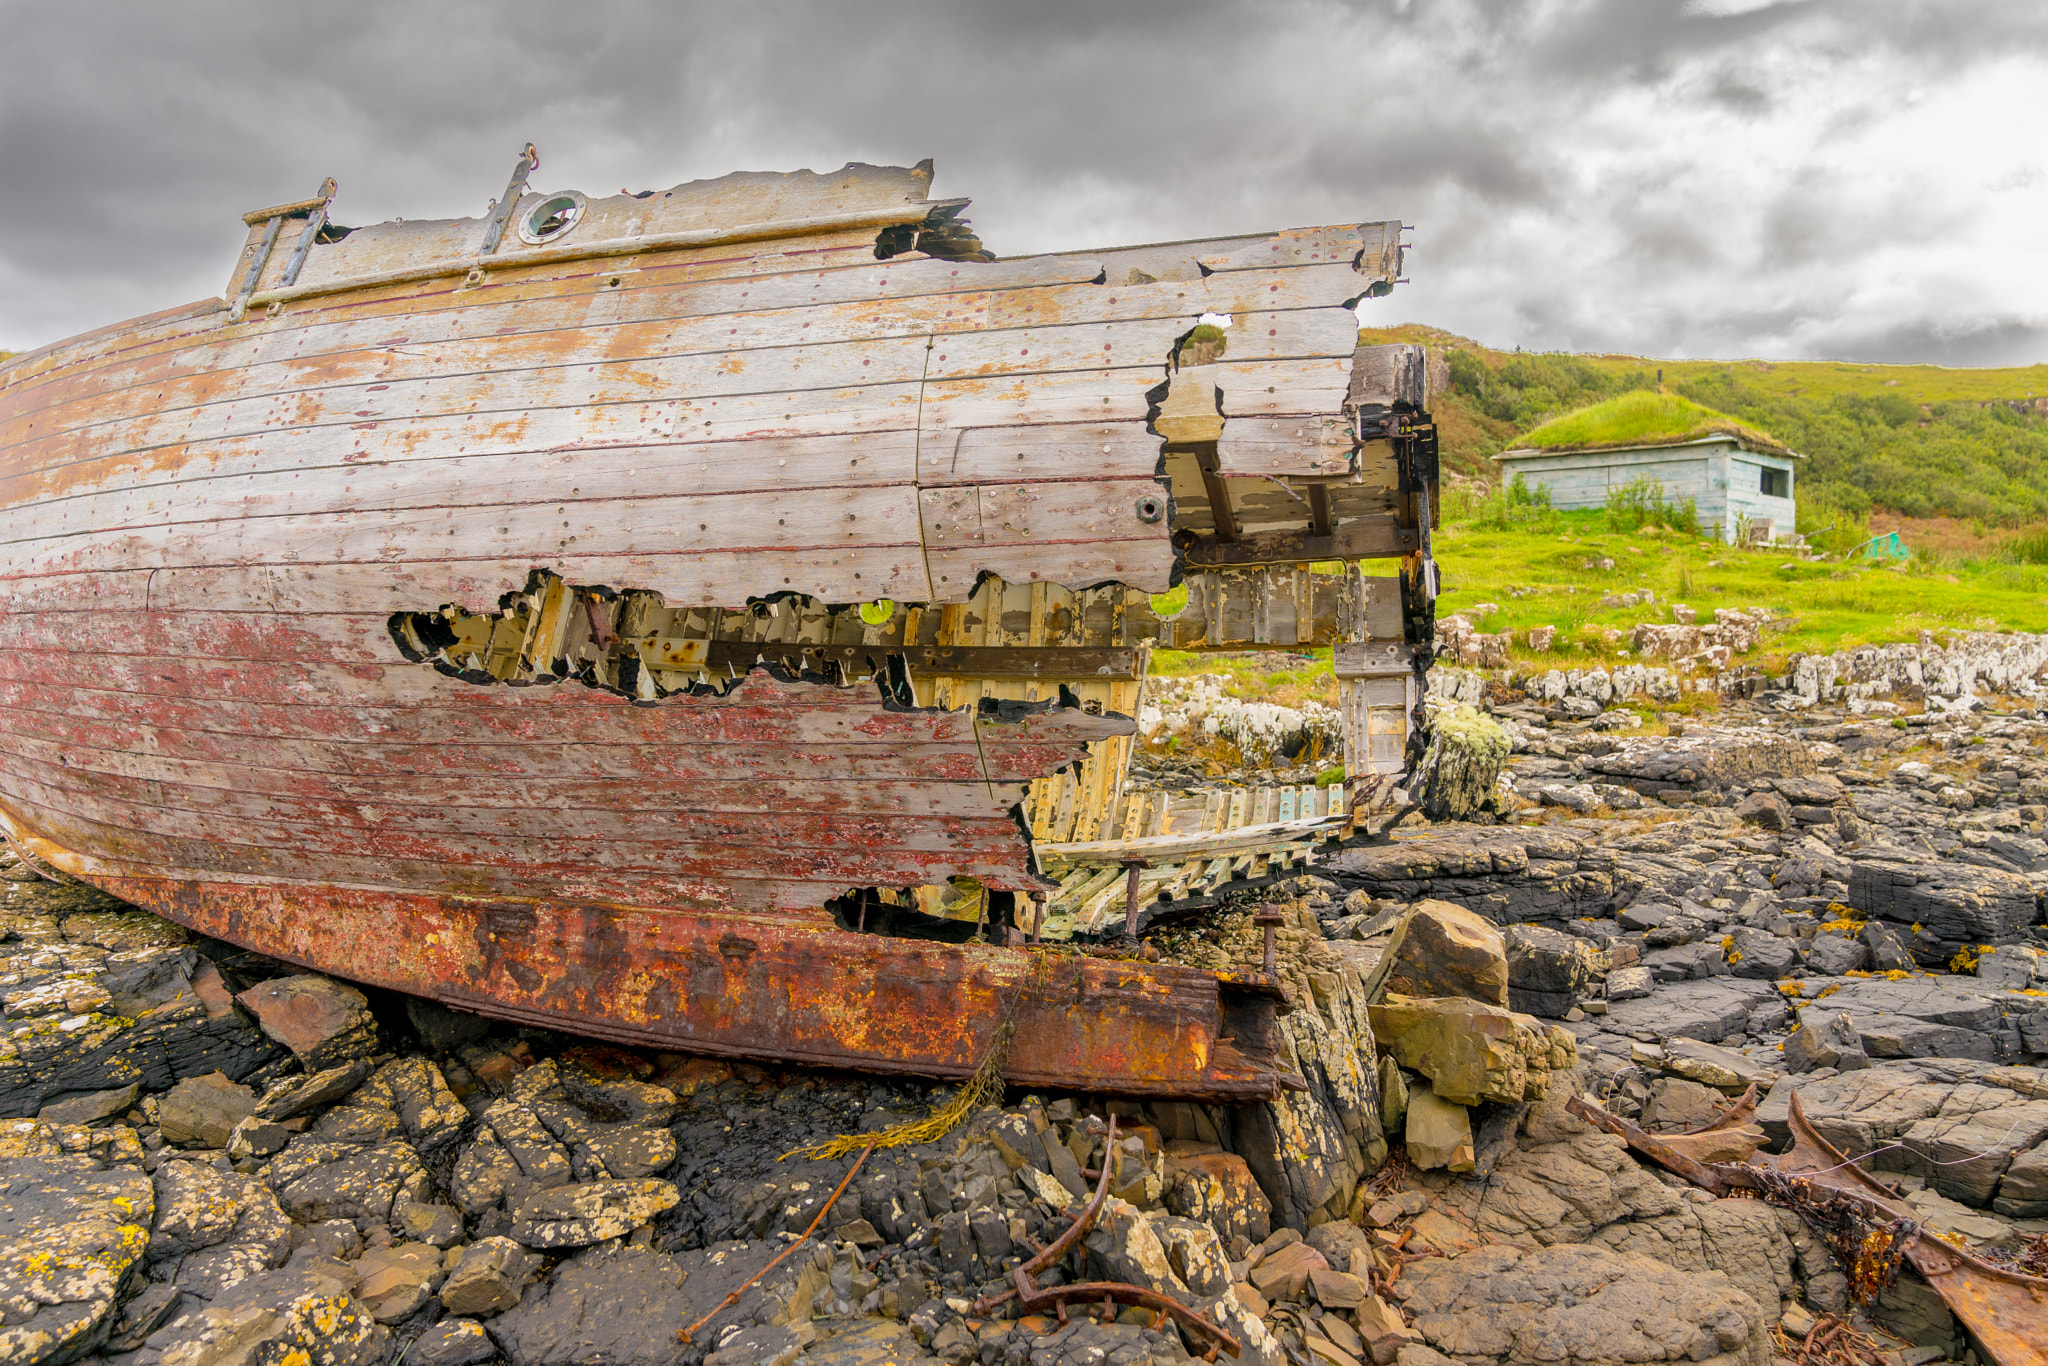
[(713, 618)]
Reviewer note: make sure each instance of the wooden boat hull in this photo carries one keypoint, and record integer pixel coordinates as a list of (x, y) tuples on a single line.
[(422, 578)]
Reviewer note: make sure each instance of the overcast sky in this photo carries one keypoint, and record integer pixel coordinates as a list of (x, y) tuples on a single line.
[(1864, 179)]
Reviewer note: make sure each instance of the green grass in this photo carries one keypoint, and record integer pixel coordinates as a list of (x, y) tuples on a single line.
[(1641, 417), (1821, 606)]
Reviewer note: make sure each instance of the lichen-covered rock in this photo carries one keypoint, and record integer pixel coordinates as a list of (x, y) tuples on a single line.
[(1219, 1190), (150, 1025), (260, 1240), (1954, 903), (589, 1212), (1461, 765), (300, 1095), (1581, 1306), (316, 1181), (69, 1232)]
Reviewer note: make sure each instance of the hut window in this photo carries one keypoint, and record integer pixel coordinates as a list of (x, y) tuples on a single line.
[(1776, 484)]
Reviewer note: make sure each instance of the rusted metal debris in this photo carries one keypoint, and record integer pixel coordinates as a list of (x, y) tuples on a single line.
[(851, 533), (1030, 1298), (2004, 1310)]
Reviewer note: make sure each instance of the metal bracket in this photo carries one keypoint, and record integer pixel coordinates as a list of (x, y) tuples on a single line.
[(501, 214), (316, 211), (315, 221)]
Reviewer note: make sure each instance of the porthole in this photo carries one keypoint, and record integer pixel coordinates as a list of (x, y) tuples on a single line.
[(551, 218)]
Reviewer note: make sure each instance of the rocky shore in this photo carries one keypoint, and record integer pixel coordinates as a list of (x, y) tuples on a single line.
[(211, 1158)]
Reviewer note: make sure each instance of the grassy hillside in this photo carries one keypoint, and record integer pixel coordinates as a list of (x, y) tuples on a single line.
[(1919, 440)]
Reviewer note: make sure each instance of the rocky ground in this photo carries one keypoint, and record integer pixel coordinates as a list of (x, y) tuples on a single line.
[(213, 1158)]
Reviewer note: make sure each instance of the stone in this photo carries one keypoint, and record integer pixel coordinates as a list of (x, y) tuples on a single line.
[(394, 1282), (1393, 1096), (1628, 984), (323, 1022), (2023, 1188), (1338, 1289), (1471, 1052), (201, 1112), (1440, 950), (1835, 955), (1439, 1133), (69, 1233), (589, 1212), (1546, 968), (427, 1223), (1581, 1305), (452, 1342), (771, 1345), (1219, 1190), (1195, 1254), (90, 1107), (1283, 1274), (256, 1137), (1766, 809), (1956, 902), (1760, 955), (1711, 1065), (1887, 954), (490, 1277), (353, 1184), (294, 1096), (1825, 1038)]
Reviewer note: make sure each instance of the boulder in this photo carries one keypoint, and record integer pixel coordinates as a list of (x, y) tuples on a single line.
[(1438, 949), (294, 1096), (1835, 955), (1439, 1134), (1887, 954), (1283, 1273), (323, 1022), (1760, 955), (1547, 969), (1956, 902), (201, 1112), (68, 1235), (1472, 1052), (289, 1315), (1628, 984), (1581, 1306), (1460, 764)]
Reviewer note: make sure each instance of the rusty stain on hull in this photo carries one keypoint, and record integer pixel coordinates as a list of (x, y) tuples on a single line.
[(851, 526)]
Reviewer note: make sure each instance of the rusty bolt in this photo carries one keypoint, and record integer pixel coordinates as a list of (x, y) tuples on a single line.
[(1268, 921)]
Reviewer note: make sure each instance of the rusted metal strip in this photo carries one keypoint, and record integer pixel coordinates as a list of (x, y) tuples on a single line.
[(501, 212), (763, 987)]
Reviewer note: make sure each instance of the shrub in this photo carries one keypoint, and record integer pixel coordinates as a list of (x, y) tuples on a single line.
[(1641, 502)]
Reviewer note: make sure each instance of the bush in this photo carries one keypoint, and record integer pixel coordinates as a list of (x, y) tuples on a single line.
[(1516, 503), (1641, 502)]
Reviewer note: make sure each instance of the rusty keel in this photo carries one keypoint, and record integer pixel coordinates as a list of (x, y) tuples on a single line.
[(767, 987)]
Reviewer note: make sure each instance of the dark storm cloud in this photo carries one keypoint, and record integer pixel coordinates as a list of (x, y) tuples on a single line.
[(1670, 176)]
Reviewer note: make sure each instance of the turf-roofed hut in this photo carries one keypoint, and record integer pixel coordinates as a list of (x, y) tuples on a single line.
[(1740, 479)]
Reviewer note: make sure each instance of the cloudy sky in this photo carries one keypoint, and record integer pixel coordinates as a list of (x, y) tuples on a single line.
[(1865, 179)]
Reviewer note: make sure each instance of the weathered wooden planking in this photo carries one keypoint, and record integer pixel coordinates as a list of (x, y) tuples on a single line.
[(461, 870), (1259, 446), (862, 302), (1292, 322)]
